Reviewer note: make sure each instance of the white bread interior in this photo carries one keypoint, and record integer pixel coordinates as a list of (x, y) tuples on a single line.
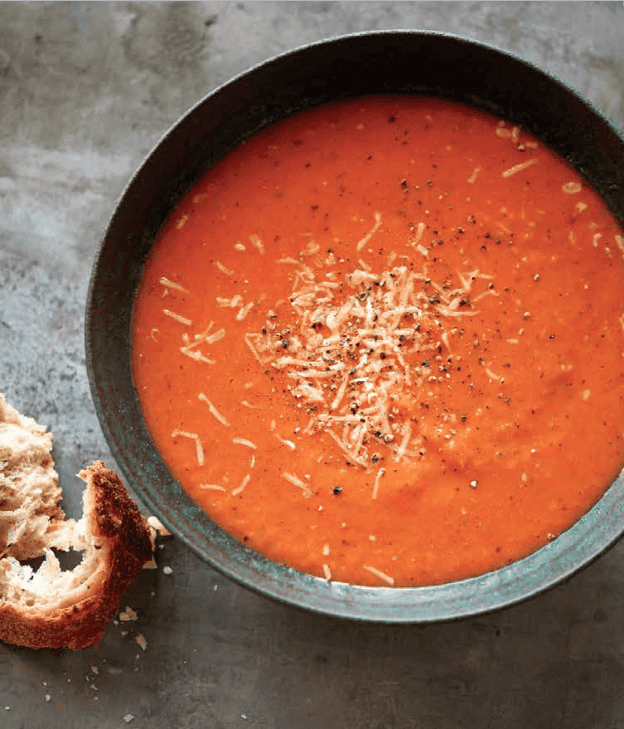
[(49, 606)]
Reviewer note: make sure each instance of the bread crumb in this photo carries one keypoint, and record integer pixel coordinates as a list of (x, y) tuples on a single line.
[(128, 718), (154, 522), (128, 614), (167, 570), (141, 641)]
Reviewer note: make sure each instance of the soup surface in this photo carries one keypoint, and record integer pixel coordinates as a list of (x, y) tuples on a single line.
[(382, 342)]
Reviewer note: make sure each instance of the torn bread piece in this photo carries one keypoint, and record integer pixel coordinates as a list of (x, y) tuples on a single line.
[(50, 607)]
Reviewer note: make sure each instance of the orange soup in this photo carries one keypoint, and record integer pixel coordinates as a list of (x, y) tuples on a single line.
[(381, 342)]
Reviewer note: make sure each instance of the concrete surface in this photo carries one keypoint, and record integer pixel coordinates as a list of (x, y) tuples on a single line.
[(86, 89)]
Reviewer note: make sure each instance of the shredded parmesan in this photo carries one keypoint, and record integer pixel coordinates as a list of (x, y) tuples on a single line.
[(420, 229), (380, 473), (492, 375), (296, 481), (242, 486), (172, 284), (213, 410), (519, 167), (502, 131), (378, 573), (473, 177), (244, 442), (224, 269), (191, 347), (371, 232), (177, 317), (257, 243), (353, 357), (244, 310), (232, 303), (571, 188), (285, 442), (199, 448)]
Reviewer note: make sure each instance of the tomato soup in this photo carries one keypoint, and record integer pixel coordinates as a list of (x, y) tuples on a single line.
[(381, 342)]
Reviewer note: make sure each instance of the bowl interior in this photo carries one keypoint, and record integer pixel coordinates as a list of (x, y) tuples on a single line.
[(426, 63)]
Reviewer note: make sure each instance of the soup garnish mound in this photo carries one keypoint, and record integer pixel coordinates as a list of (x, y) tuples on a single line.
[(382, 342)]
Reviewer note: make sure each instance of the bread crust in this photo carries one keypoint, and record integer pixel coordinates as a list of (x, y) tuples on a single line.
[(124, 538), (51, 608)]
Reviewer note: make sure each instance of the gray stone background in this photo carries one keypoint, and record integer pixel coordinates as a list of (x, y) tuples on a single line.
[(86, 90)]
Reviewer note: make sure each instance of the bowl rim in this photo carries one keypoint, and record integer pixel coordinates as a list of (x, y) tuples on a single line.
[(574, 549)]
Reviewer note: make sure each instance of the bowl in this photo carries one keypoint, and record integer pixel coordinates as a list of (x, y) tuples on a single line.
[(404, 62)]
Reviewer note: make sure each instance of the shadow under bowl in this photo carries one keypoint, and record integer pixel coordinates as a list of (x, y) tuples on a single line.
[(389, 62)]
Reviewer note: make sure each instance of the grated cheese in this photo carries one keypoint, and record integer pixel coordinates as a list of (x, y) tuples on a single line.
[(172, 284), (224, 269), (371, 232), (199, 448), (257, 243), (244, 442), (520, 167), (378, 477), (190, 348), (378, 573), (285, 442), (296, 481), (473, 177), (420, 229), (242, 486), (502, 131), (231, 303), (493, 376), (244, 310), (213, 410), (177, 317), (353, 357), (571, 188)]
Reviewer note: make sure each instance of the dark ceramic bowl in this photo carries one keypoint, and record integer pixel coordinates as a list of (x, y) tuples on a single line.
[(367, 63)]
